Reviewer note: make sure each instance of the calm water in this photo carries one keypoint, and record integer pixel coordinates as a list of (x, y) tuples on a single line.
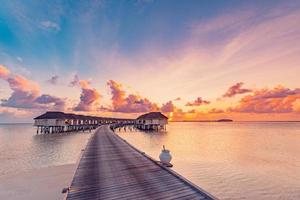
[(22, 150), (232, 160)]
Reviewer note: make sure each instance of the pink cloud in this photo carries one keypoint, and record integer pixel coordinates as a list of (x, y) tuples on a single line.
[(26, 93), (54, 102), (128, 104), (276, 100), (89, 96), (198, 102), (236, 89), (168, 107)]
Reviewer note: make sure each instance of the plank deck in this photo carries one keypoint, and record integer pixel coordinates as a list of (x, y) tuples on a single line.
[(110, 168)]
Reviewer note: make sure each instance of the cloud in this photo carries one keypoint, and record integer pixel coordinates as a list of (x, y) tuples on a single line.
[(191, 111), (276, 100), (19, 59), (296, 105), (89, 96), (177, 99), (131, 103), (76, 82), (215, 111), (4, 72), (198, 102), (51, 101), (236, 89), (50, 25), (53, 80), (168, 107), (26, 93)]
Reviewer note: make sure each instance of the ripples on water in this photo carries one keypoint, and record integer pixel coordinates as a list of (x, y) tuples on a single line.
[(232, 160), (22, 150)]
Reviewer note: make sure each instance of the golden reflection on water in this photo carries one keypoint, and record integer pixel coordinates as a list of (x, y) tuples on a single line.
[(232, 160)]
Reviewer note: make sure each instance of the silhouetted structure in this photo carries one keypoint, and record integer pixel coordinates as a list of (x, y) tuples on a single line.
[(152, 121), (57, 122)]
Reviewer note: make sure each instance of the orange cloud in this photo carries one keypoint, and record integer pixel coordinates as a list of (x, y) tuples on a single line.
[(198, 102), (128, 104), (236, 89), (296, 106), (89, 96), (26, 93), (276, 100), (4, 72)]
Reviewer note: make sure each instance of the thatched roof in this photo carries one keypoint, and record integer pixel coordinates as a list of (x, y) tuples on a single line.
[(153, 115)]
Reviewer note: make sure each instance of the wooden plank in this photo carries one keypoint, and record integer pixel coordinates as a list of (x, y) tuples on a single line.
[(110, 168)]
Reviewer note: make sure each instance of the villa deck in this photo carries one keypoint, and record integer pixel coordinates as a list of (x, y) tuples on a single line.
[(110, 168)]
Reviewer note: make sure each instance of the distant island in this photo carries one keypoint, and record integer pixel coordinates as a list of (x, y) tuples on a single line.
[(225, 120)]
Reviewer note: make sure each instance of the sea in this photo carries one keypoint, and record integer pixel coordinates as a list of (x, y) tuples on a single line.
[(230, 160)]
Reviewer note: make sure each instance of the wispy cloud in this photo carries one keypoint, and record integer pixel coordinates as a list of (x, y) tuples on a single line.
[(19, 59), (50, 25), (236, 89), (198, 102), (53, 80)]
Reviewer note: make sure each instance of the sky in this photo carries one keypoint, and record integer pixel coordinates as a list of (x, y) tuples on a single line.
[(191, 60)]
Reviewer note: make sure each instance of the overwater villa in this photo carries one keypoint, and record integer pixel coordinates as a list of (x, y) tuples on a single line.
[(56, 122), (152, 121)]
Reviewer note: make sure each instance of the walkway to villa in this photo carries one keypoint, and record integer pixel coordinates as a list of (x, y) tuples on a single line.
[(110, 168)]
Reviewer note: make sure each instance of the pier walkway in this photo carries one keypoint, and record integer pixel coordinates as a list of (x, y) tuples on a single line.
[(110, 168)]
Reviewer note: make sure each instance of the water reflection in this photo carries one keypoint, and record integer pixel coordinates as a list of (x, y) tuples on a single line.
[(232, 160), (21, 149)]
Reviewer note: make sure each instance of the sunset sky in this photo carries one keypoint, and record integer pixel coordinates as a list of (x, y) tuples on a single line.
[(192, 60)]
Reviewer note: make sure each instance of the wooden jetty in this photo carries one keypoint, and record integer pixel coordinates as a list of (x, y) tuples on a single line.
[(110, 168)]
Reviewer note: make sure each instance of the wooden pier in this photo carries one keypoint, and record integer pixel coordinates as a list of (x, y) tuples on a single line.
[(110, 168)]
